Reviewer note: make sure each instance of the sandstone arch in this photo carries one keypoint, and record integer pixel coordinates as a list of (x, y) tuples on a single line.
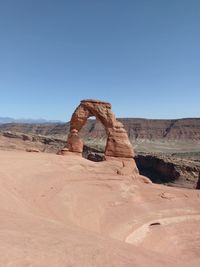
[(118, 144)]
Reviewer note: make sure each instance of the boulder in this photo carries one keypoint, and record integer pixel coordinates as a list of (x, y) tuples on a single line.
[(95, 157), (32, 150)]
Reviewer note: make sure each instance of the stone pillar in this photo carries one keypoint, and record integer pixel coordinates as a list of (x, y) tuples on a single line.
[(74, 143), (118, 144)]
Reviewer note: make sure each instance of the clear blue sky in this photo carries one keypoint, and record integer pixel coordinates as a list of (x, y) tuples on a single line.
[(141, 55)]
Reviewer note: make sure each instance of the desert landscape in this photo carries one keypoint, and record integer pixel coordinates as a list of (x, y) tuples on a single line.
[(167, 151), (60, 209), (99, 133)]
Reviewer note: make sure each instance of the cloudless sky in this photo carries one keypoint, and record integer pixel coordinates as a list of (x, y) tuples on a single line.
[(143, 56)]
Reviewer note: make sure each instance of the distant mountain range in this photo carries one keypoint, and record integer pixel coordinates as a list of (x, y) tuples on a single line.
[(12, 120), (149, 129)]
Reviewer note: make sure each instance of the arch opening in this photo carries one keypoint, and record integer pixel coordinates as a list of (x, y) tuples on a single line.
[(94, 136)]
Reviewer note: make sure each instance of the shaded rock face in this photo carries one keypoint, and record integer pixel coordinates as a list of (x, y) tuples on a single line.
[(157, 169), (95, 157), (118, 144), (198, 182), (169, 170)]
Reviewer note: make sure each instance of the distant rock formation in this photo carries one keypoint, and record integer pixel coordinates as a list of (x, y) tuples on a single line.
[(118, 144), (137, 129)]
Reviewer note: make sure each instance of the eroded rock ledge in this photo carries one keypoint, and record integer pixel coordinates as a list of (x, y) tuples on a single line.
[(169, 170)]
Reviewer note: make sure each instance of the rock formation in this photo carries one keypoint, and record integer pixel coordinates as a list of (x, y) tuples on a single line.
[(180, 130), (168, 169), (118, 144), (74, 143), (21, 141)]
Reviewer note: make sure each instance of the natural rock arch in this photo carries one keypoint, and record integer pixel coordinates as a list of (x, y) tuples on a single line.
[(118, 144)]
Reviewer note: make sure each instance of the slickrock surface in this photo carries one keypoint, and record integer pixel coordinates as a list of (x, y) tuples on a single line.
[(71, 212), (176, 169)]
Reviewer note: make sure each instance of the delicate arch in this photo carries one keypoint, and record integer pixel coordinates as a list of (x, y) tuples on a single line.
[(118, 144)]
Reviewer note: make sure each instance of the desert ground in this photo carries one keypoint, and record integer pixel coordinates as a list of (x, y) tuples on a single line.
[(67, 211)]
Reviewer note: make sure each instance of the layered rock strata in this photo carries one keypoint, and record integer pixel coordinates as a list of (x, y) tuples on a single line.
[(118, 144)]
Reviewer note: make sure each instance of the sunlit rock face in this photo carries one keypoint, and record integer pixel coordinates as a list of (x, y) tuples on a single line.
[(118, 144)]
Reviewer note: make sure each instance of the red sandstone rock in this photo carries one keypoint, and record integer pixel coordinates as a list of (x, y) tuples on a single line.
[(74, 143), (71, 212), (118, 144)]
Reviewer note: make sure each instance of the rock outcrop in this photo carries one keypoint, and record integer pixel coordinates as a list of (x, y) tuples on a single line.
[(20, 141), (118, 144), (169, 170), (74, 143)]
